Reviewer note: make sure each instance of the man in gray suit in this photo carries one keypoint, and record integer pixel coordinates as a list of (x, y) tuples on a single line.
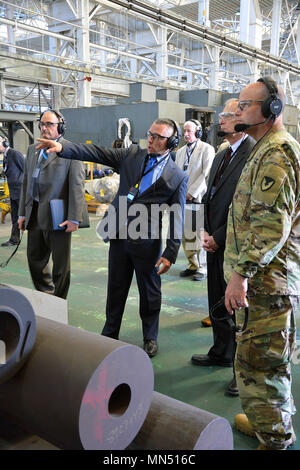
[(48, 177), (224, 175)]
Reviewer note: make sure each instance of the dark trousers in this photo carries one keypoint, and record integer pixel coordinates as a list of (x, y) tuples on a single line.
[(15, 232), (224, 339), (123, 262), (40, 245)]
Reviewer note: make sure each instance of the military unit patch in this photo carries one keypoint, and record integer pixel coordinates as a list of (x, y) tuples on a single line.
[(267, 183)]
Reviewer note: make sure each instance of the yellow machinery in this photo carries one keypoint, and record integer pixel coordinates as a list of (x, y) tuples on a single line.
[(92, 203), (93, 171), (4, 197), (4, 200)]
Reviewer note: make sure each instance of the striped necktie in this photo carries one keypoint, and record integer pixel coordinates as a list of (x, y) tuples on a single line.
[(223, 166)]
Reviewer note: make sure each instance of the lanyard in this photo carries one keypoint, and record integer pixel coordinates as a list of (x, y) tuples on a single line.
[(189, 150), (137, 184), (42, 155)]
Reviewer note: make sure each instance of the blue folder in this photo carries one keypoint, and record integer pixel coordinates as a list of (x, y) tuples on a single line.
[(58, 209), (58, 213)]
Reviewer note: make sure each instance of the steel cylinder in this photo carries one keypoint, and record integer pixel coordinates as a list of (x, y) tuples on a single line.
[(174, 425), (80, 390), (17, 331)]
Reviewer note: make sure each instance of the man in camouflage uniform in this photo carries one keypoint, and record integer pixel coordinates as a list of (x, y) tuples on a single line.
[(262, 261)]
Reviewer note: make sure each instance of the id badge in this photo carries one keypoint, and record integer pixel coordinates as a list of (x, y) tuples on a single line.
[(133, 192), (36, 173)]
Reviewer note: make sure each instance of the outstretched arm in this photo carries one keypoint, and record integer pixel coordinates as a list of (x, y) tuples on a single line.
[(50, 145)]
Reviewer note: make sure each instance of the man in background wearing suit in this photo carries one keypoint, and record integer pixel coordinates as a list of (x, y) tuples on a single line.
[(223, 178), (13, 167), (148, 178), (48, 177), (195, 158)]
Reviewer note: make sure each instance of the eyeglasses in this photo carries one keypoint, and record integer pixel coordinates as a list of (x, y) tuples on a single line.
[(226, 115), (47, 124), (155, 136), (245, 104)]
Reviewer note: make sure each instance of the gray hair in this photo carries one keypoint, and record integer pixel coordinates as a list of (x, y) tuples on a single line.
[(230, 100)]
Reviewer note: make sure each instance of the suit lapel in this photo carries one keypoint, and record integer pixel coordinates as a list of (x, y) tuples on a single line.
[(44, 162), (168, 172), (196, 152), (213, 172), (50, 158), (180, 156), (36, 156), (240, 154), (140, 167)]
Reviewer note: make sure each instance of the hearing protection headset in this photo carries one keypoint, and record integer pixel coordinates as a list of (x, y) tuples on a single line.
[(173, 141), (272, 106), (198, 133)]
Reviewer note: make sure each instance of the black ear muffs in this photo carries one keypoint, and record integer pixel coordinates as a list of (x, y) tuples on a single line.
[(272, 106), (61, 126), (198, 133), (174, 140), (5, 144)]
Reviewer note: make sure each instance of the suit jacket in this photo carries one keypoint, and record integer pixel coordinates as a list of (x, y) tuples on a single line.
[(13, 163), (58, 179), (198, 168), (216, 207), (169, 189)]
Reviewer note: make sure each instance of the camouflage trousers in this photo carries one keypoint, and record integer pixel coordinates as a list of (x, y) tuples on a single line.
[(263, 374)]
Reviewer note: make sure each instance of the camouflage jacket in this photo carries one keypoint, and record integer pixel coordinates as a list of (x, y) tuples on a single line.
[(263, 244)]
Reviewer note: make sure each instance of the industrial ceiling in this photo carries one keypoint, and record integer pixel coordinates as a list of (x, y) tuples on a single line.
[(48, 57)]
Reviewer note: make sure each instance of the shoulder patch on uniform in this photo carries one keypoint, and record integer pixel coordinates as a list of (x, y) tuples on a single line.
[(269, 182)]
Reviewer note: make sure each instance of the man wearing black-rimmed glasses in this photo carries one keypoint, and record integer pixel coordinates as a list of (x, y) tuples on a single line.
[(149, 178), (47, 177)]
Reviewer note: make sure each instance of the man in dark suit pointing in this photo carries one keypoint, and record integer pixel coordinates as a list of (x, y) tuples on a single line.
[(225, 172), (149, 178)]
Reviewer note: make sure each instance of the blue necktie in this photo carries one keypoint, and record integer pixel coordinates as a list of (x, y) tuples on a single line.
[(147, 179)]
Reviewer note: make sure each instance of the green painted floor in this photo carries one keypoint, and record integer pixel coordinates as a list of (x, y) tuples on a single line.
[(181, 335)]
